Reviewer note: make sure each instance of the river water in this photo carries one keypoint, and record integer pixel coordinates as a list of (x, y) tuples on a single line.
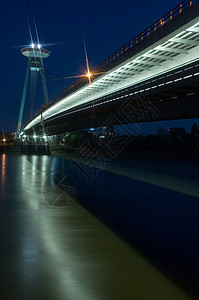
[(124, 230)]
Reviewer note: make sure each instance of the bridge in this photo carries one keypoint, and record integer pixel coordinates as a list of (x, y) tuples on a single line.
[(153, 77)]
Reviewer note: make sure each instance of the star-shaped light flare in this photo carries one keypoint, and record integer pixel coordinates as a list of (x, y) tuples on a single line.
[(89, 74)]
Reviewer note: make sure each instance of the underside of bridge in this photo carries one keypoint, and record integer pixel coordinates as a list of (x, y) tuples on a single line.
[(174, 96)]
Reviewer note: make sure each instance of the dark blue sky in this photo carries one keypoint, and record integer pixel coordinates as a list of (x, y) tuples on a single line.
[(107, 26)]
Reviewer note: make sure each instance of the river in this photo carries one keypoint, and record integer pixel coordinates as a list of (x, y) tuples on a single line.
[(117, 230)]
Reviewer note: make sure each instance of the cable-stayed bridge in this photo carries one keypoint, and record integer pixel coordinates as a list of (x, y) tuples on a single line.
[(153, 77)]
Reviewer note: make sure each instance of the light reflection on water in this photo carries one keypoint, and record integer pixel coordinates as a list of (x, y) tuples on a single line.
[(64, 252), (3, 169)]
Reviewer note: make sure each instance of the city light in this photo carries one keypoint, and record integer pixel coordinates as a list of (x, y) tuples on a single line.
[(32, 46)]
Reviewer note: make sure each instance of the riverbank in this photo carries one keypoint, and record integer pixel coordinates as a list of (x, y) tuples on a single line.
[(80, 153), (124, 155), (14, 149)]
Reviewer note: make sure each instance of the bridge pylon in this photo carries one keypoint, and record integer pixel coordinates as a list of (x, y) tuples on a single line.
[(35, 55)]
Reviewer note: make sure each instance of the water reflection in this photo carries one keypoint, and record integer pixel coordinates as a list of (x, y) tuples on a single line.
[(3, 170), (154, 206)]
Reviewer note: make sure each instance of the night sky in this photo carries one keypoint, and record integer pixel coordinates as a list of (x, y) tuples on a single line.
[(107, 25)]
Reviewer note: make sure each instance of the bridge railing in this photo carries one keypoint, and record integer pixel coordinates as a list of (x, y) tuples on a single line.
[(161, 22)]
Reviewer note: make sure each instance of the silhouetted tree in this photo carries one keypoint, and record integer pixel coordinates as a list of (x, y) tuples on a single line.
[(178, 132), (194, 129), (161, 132), (195, 138)]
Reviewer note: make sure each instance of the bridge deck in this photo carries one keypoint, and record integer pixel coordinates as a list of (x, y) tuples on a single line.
[(172, 44)]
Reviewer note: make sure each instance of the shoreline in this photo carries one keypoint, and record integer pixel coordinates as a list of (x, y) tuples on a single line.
[(123, 155)]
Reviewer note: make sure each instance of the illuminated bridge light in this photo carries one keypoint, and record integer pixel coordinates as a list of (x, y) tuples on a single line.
[(89, 74)]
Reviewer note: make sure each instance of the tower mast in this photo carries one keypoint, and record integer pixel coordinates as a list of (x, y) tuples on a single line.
[(35, 57)]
